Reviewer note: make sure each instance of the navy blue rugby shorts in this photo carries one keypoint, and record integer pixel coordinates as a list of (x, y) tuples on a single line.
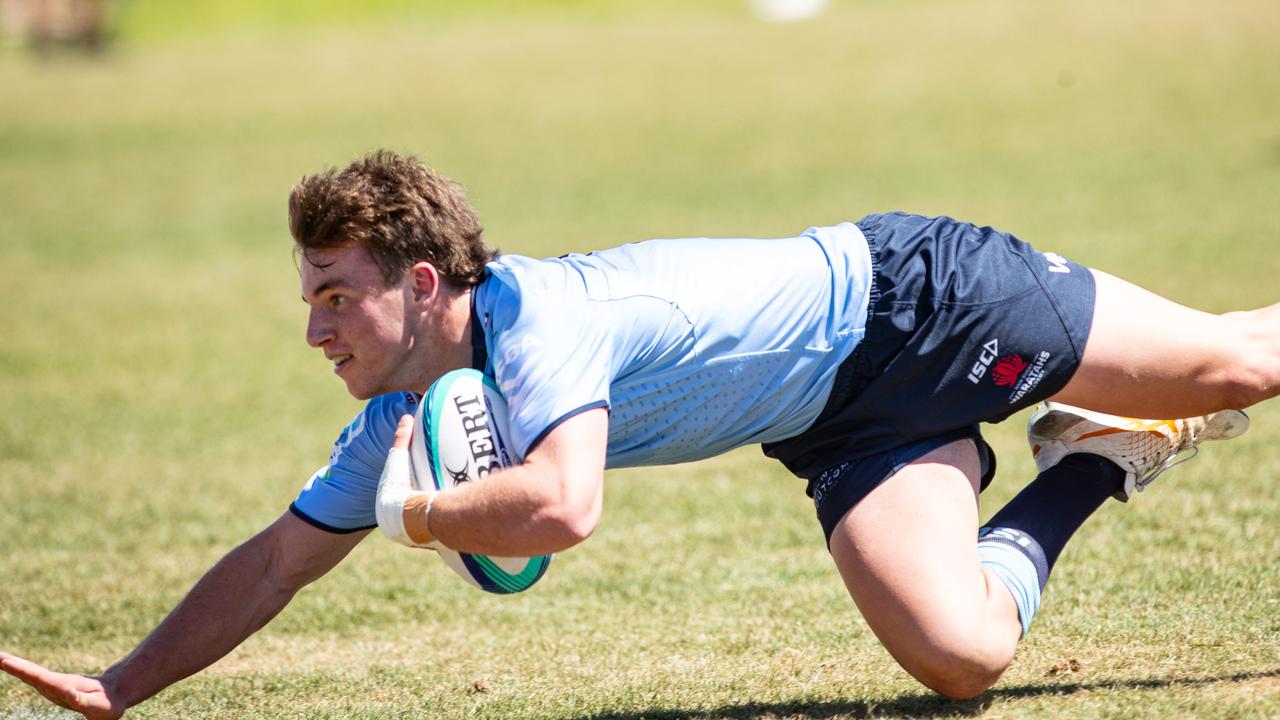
[(966, 325)]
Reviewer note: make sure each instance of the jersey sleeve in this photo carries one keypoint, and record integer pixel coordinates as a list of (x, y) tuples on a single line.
[(340, 496), (550, 363)]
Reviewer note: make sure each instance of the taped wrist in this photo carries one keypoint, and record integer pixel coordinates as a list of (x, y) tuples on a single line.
[(397, 498), (416, 516)]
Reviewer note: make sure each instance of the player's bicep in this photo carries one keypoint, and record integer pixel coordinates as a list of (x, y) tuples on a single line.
[(572, 456)]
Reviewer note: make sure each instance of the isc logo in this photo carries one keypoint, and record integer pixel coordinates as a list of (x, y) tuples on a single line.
[(988, 355)]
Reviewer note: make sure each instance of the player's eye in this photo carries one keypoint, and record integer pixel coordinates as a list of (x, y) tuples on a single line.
[(337, 300)]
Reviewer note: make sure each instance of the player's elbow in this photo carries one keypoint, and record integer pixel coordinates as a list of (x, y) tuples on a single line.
[(571, 525), (579, 525), (572, 517)]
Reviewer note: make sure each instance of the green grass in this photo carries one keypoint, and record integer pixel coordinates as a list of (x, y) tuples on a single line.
[(159, 405), (150, 21)]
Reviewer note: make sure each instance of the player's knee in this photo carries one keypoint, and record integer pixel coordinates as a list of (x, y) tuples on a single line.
[(1249, 376), (961, 678), (963, 670), (1250, 371), (1242, 387)]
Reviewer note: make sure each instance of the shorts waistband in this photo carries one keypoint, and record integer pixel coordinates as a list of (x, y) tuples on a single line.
[(854, 373)]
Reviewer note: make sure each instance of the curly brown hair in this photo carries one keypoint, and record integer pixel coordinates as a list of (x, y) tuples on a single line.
[(398, 209)]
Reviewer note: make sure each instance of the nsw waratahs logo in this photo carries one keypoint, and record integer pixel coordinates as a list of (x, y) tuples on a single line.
[(1007, 370)]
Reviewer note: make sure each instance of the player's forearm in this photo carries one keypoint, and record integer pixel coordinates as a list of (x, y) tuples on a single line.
[(517, 512), (232, 601), (548, 503)]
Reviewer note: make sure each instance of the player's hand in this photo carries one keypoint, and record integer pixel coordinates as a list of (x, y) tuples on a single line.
[(89, 696), (404, 433), (397, 498)]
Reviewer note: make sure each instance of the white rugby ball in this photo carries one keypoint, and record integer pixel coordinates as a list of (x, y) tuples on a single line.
[(460, 435)]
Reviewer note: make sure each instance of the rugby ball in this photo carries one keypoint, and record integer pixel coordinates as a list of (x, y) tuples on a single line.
[(460, 435)]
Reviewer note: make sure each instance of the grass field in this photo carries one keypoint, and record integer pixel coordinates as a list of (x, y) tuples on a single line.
[(158, 404)]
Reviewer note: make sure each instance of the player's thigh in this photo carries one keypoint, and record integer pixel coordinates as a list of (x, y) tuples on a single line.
[(1150, 357), (908, 555)]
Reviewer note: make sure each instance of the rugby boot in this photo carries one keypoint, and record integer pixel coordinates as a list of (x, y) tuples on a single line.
[(1142, 448)]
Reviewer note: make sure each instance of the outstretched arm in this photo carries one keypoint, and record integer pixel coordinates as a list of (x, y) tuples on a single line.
[(239, 595)]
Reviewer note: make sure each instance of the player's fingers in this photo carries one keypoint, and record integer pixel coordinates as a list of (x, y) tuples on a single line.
[(25, 670), (57, 688), (404, 431), (45, 682)]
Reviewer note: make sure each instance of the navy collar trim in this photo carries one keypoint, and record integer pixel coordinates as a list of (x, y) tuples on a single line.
[(479, 354)]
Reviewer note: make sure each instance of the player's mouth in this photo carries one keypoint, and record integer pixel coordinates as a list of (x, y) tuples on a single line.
[(340, 361)]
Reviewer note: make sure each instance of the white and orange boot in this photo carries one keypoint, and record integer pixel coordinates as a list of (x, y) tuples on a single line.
[(1142, 448)]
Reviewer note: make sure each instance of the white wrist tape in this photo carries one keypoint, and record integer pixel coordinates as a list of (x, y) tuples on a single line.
[(394, 488)]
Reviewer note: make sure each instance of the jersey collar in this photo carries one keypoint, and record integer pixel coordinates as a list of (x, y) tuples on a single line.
[(479, 354)]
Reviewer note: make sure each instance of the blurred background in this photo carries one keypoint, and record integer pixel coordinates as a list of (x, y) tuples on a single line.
[(147, 148), (154, 381)]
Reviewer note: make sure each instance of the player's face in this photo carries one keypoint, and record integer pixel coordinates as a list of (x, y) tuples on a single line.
[(365, 328)]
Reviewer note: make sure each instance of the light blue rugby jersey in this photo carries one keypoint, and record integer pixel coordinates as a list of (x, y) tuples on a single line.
[(695, 346)]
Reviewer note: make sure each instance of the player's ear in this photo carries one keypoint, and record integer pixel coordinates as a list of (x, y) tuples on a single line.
[(425, 280)]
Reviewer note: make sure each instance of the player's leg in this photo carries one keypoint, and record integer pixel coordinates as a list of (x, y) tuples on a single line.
[(948, 606), (1150, 357), (948, 601), (908, 555)]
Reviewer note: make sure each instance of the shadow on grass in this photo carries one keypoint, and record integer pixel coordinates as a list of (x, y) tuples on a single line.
[(924, 705)]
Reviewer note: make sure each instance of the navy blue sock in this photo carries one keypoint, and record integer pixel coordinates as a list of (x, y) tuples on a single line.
[(1057, 503), (1023, 540)]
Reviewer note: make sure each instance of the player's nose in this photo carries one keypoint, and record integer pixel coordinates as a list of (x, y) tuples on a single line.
[(319, 330)]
